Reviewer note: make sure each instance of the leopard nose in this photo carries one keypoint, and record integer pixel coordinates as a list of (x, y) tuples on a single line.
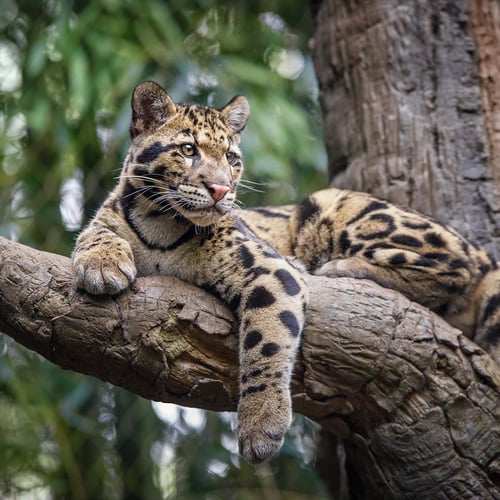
[(217, 191)]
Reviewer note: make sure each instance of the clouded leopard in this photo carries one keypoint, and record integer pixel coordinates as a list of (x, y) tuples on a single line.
[(173, 212)]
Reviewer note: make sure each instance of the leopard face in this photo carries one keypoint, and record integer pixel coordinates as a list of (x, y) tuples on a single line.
[(185, 158)]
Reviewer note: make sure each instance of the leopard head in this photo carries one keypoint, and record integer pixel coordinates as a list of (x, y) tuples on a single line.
[(185, 158)]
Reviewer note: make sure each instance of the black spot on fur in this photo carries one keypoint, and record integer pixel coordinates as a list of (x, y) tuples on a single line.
[(371, 207), (260, 297), (344, 242), (150, 154), (269, 349), (288, 281), (398, 259), (255, 373), (253, 389), (234, 303), (458, 264), (435, 240), (356, 248), (141, 171), (484, 268), (388, 220), (128, 199), (425, 262), (439, 256), (416, 225), (252, 338), (370, 250), (255, 273), (492, 306), (246, 257), (160, 170), (407, 240), (380, 244), (375, 235), (290, 321), (308, 209)]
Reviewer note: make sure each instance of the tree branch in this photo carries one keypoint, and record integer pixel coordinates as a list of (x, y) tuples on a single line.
[(393, 380)]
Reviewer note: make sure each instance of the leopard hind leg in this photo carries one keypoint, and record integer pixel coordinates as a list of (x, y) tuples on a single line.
[(421, 279)]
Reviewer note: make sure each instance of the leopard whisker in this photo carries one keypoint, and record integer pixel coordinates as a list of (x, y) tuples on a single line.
[(250, 188), (137, 192)]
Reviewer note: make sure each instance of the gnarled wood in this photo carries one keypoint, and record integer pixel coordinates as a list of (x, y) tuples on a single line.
[(416, 403), (410, 95)]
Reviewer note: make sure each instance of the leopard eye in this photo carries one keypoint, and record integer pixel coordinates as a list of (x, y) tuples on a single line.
[(231, 157), (188, 149)]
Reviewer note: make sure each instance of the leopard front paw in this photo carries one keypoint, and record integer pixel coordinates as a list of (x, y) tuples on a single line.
[(261, 427), (100, 274)]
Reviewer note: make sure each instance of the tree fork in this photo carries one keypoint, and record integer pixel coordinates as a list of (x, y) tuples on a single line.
[(415, 402)]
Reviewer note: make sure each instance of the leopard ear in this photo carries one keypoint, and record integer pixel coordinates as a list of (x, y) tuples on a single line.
[(152, 107), (236, 113)]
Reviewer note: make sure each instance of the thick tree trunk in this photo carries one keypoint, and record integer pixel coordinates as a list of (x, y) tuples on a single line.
[(414, 400), (410, 92)]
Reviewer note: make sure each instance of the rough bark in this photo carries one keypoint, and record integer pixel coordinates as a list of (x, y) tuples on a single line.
[(410, 93), (415, 401)]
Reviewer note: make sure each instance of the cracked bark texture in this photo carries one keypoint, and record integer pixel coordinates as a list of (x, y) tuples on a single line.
[(410, 92), (415, 402)]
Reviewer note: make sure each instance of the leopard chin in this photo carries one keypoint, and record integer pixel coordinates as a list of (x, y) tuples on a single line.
[(203, 217)]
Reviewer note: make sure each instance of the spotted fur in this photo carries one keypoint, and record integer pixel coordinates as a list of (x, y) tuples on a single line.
[(173, 212), (340, 233)]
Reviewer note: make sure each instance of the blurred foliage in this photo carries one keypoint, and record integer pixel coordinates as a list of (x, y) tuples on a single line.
[(66, 115), (67, 69)]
